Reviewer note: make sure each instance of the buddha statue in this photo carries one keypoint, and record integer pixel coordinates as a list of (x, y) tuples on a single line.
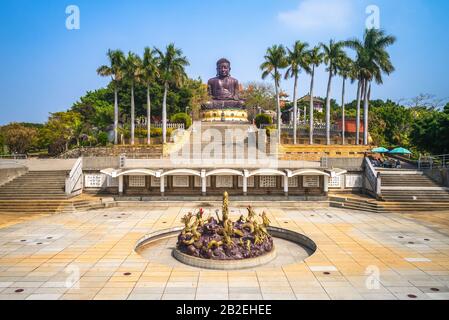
[(224, 89), (225, 104)]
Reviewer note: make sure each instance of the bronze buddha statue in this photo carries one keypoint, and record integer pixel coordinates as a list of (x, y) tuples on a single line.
[(224, 89)]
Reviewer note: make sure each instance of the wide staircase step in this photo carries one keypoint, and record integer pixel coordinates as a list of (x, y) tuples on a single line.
[(412, 191), (34, 192)]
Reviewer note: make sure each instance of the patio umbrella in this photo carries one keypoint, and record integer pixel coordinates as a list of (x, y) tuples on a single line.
[(379, 150), (400, 151)]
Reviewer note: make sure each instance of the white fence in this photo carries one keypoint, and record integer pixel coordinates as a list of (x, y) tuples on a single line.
[(373, 178), (170, 125), (74, 181)]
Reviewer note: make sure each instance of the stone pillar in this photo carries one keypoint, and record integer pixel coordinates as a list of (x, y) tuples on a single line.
[(286, 185), (326, 185), (120, 185), (204, 185), (162, 185), (245, 185)]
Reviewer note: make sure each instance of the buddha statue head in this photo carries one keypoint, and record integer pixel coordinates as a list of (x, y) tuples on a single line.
[(223, 68)]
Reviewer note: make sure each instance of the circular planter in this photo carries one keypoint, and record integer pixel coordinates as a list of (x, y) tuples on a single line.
[(281, 233)]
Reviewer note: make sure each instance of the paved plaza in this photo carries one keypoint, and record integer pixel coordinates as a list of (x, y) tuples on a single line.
[(90, 255)]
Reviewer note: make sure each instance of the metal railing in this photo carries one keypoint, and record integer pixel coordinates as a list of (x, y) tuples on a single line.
[(431, 162), (14, 156), (170, 125), (319, 130), (74, 180)]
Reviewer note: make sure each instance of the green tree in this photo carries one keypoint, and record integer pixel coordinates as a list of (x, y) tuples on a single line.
[(275, 61), (258, 96), (263, 119), (114, 70), (333, 53), (315, 58), (150, 73), (345, 70), (96, 110), (296, 59), (132, 69), (62, 126), (197, 93), (182, 118), (18, 138), (172, 70), (373, 61)]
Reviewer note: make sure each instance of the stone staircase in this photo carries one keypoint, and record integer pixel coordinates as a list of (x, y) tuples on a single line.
[(35, 185), (81, 204), (412, 192), (36, 192), (353, 202), (403, 191)]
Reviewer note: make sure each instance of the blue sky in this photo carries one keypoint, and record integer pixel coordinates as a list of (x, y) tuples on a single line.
[(45, 67)]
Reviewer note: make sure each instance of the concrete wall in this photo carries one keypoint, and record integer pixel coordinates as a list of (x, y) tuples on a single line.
[(100, 163), (11, 172), (345, 163), (144, 151), (315, 152), (440, 176)]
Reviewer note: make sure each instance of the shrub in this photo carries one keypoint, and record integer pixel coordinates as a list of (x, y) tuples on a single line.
[(155, 132), (271, 131), (182, 118), (262, 119), (102, 138)]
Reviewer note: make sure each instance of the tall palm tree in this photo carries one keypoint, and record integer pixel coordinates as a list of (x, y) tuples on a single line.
[(332, 54), (172, 66), (315, 58), (345, 70), (275, 60), (374, 61), (114, 70), (150, 72), (132, 71), (297, 60)]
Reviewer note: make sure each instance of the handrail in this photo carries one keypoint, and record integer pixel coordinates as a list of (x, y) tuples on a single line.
[(430, 162), (373, 177), (14, 156), (74, 181)]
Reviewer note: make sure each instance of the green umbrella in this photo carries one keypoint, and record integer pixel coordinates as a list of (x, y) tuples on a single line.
[(400, 151), (379, 150)]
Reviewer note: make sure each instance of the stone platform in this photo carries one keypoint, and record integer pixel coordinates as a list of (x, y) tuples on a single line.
[(90, 255)]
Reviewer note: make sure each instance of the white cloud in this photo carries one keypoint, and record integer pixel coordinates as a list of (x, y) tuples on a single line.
[(319, 15)]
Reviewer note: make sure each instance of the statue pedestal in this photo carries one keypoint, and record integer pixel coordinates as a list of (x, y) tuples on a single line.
[(224, 111), (226, 115)]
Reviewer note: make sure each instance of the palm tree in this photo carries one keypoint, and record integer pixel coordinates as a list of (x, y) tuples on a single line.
[(114, 70), (275, 60), (315, 58), (132, 70), (297, 60), (172, 65), (373, 61), (345, 70), (150, 72), (332, 54)]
